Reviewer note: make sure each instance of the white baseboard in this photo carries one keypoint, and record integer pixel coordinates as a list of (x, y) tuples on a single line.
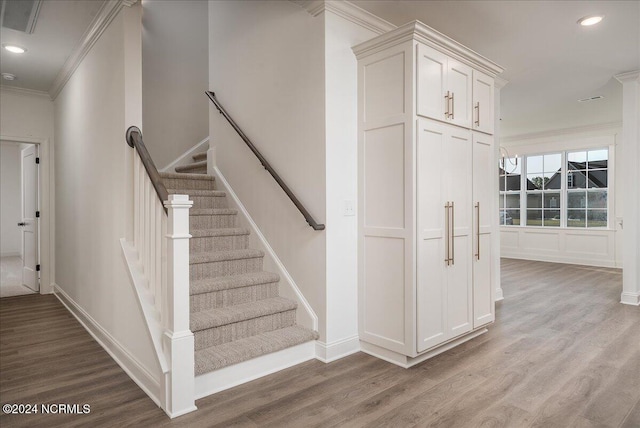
[(185, 158), (328, 352), (560, 259), (632, 299), (237, 374), (405, 361), (136, 371), (499, 295)]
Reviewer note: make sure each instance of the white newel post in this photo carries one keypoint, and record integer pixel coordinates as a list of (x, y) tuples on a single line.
[(179, 342)]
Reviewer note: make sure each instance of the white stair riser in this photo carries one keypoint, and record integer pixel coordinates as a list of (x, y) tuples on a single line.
[(234, 296), (240, 330), (224, 268)]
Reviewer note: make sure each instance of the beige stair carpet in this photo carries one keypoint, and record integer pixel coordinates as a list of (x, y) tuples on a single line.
[(236, 311)]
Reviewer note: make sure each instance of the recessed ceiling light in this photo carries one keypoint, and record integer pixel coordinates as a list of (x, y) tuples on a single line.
[(14, 49), (9, 76), (590, 20)]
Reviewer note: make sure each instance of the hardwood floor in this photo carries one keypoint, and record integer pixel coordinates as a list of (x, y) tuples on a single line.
[(563, 353)]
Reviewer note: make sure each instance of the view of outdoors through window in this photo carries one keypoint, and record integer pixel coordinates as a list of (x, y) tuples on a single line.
[(566, 189)]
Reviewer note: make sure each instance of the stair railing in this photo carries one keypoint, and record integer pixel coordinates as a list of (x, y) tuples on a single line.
[(310, 220), (161, 243)]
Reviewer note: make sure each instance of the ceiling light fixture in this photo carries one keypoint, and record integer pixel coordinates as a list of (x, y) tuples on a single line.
[(14, 49), (9, 76), (590, 20)]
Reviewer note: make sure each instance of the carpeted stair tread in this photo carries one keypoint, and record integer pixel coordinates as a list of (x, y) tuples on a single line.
[(186, 176), (246, 311), (229, 231), (217, 357), (192, 166), (219, 256), (235, 281), (212, 211), (199, 156), (192, 192)]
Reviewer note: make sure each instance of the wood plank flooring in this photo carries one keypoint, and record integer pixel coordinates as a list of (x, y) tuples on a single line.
[(563, 353)]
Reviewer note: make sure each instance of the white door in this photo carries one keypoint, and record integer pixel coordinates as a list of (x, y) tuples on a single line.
[(482, 102), (459, 82), (483, 170), (29, 220), (431, 81)]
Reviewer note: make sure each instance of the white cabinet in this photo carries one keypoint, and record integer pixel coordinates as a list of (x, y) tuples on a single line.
[(424, 182), (483, 111), (444, 224), (483, 214)]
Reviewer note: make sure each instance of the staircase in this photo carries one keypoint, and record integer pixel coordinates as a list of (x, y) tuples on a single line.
[(236, 311)]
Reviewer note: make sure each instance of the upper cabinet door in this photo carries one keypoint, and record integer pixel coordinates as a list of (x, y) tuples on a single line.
[(431, 82), (459, 83), (483, 115)]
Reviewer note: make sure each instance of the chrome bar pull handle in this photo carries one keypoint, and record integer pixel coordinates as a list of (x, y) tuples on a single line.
[(452, 227), (446, 231), (446, 113), (453, 108), (478, 230), (478, 113)]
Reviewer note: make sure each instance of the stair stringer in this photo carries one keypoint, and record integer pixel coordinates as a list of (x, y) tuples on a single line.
[(305, 315)]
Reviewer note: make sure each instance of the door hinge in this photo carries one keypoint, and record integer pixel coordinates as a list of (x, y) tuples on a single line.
[(37, 268), (37, 160), (37, 213)]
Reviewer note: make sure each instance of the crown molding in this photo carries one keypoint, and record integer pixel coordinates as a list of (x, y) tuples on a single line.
[(422, 33), (24, 91), (348, 11), (525, 138), (99, 24), (628, 77), (499, 82)]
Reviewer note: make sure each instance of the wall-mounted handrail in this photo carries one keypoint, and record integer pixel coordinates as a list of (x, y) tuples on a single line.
[(266, 164), (134, 140)]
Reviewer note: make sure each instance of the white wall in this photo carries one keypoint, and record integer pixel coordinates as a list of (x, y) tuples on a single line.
[(341, 110), (10, 200), (27, 116), (594, 247), (93, 177), (175, 74), (266, 66)]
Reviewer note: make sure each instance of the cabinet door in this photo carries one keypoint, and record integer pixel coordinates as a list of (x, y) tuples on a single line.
[(431, 252), (459, 83), (458, 165), (483, 104), (431, 83), (483, 190)]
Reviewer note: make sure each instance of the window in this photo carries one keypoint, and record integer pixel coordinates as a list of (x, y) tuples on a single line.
[(510, 173), (587, 181), (565, 189), (544, 181)]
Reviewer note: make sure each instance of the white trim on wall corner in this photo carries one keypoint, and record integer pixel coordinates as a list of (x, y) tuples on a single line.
[(99, 24), (632, 299), (185, 157), (282, 270), (136, 371), (348, 11), (24, 91), (328, 352)]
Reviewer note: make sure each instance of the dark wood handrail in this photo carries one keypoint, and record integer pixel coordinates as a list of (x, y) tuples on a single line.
[(265, 164), (134, 140)]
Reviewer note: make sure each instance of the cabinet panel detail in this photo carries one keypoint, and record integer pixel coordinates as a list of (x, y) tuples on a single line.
[(384, 173), (384, 296), (384, 87)]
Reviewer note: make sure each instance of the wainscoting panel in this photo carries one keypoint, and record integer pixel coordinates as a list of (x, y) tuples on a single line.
[(584, 247)]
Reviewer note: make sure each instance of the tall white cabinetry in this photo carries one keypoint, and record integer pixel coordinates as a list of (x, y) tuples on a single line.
[(427, 205)]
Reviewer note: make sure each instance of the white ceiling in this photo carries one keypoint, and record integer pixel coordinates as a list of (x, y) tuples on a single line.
[(550, 61), (60, 27)]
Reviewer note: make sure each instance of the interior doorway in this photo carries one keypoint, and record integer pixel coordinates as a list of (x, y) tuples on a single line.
[(19, 218)]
